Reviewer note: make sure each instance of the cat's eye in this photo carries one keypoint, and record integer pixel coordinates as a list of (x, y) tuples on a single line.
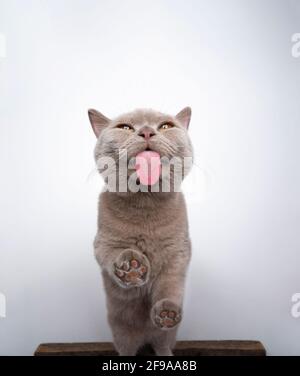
[(166, 126), (125, 127)]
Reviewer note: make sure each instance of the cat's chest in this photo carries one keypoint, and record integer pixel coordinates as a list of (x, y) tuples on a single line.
[(159, 249), (152, 239), (148, 243)]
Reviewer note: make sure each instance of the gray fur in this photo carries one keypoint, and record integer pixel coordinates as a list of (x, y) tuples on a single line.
[(151, 228)]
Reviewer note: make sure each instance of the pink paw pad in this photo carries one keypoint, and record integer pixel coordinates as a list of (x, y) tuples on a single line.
[(167, 318), (131, 272)]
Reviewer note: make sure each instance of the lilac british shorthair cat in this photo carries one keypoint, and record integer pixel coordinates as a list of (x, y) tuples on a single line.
[(142, 244)]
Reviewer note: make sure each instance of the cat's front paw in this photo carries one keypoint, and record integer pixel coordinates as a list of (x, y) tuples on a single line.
[(131, 269), (166, 314)]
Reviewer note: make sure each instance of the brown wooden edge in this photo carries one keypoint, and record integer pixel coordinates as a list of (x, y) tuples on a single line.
[(182, 348)]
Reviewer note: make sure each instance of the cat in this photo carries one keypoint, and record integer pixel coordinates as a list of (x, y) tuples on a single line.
[(142, 244)]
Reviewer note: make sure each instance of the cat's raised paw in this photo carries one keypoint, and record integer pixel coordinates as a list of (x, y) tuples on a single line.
[(165, 314), (131, 269)]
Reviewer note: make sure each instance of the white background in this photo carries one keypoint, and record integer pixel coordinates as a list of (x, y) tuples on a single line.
[(231, 62)]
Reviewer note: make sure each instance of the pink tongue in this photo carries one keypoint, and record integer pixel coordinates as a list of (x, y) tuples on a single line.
[(148, 167)]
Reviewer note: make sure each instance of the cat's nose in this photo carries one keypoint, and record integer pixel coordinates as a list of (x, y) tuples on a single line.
[(146, 133)]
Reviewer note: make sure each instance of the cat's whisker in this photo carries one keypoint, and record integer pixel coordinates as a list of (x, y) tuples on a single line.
[(169, 148), (91, 174)]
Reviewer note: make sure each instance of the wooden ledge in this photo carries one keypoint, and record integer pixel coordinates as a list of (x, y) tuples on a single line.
[(183, 348)]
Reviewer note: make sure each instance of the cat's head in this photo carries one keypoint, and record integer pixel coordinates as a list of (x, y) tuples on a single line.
[(142, 130)]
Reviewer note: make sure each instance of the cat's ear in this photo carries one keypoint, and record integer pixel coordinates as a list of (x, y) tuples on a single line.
[(98, 121), (184, 116)]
